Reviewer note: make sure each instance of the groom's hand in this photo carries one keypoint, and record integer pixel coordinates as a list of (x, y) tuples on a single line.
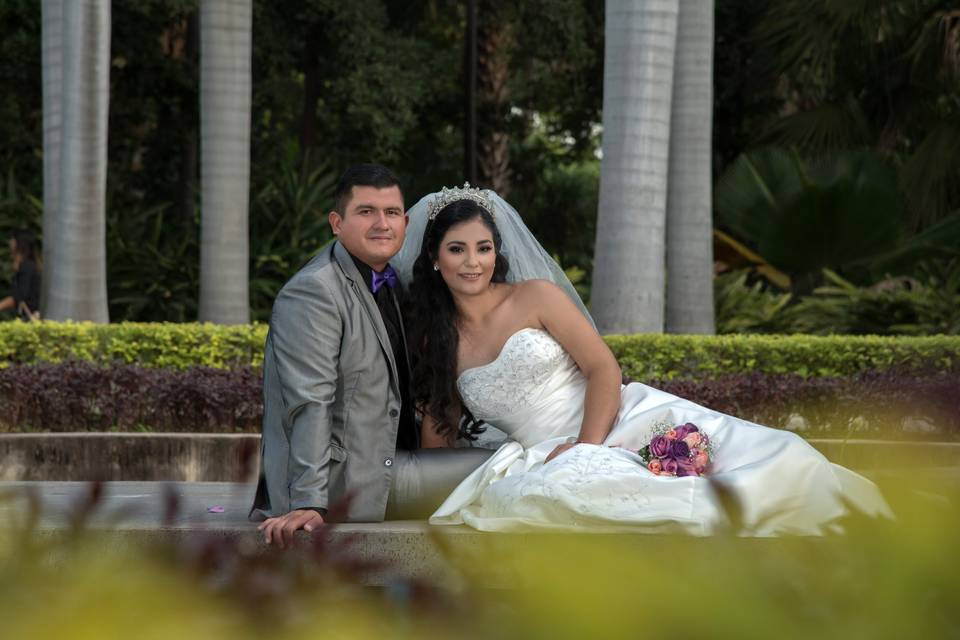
[(281, 530)]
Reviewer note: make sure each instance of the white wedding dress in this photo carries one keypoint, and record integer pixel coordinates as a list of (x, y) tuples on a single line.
[(534, 392)]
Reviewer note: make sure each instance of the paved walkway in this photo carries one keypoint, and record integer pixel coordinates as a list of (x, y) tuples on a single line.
[(137, 505)]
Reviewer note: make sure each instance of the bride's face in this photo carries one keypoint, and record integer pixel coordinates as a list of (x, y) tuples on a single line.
[(467, 257)]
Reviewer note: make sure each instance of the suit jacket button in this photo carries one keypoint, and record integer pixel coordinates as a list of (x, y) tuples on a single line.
[(394, 413), (388, 462)]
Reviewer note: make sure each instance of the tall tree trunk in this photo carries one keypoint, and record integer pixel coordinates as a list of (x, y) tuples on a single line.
[(78, 273), (225, 94), (629, 271), (689, 199), (494, 41), (52, 58)]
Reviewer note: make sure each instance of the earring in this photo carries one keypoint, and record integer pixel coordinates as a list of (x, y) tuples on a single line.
[(436, 267)]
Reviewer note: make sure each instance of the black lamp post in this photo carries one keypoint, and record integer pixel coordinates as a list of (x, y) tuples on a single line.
[(470, 95)]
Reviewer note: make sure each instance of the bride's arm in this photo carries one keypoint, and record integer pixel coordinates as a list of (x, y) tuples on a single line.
[(573, 331)]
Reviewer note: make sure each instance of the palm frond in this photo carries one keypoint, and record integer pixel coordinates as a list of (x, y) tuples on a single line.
[(804, 217), (930, 177), (822, 130)]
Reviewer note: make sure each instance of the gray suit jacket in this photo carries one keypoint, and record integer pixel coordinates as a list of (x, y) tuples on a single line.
[(330, 394)]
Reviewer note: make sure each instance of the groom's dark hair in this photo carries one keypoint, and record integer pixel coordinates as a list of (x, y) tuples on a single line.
[(362, 175)]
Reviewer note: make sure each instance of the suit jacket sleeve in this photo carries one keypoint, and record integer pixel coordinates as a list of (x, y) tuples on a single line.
[(307, 332)]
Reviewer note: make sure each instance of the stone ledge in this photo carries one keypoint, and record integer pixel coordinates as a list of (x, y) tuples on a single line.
[(173, 457)]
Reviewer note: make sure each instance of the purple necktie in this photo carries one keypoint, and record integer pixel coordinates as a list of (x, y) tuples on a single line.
[(388, 276)]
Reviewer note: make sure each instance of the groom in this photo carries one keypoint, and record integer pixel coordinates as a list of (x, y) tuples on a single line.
[(338, 419)]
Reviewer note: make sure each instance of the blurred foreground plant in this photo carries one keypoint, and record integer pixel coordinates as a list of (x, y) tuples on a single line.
[(68, 583), (879, 579)]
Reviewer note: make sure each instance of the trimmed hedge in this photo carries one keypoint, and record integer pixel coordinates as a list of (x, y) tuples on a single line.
[(886, 404), (665, 357), (82, 396), (170, 345), (642, 356)]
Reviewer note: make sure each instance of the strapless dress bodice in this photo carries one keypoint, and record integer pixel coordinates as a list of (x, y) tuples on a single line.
[(532, 390)]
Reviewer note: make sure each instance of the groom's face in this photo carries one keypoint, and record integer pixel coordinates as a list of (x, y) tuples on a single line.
[(372, 225)]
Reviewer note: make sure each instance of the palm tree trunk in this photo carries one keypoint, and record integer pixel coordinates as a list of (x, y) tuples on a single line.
[(225, 94), (52, 57), (689, 199), (629, 271), (78, 273)]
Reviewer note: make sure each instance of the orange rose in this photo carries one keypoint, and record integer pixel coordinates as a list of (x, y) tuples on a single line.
[(655, 467), (671, 435), (700, 458)]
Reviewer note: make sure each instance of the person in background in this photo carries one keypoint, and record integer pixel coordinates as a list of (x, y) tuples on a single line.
[(24, 299)]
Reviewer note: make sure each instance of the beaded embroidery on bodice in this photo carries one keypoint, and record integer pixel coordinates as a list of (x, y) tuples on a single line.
[(515, 381)]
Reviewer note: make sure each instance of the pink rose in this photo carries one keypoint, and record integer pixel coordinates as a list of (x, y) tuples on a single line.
[(699, 470), (654, 466), (671, 435), (700, 458), (669, 467), (692, 439)]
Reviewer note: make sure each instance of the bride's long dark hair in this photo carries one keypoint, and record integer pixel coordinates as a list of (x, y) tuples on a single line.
[(431, 321)]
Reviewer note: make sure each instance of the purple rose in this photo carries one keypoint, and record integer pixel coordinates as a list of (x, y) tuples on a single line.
[(684, 429), (679, 450), (659, 446), (669, 466), (686, 468)]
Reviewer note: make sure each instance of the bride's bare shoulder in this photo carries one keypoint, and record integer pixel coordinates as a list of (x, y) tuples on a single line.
[(534, 297), (539, 289)]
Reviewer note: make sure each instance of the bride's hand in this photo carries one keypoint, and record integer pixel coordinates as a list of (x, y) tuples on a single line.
[(560, 449)]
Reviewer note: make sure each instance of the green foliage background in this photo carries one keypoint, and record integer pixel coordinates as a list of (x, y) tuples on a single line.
[(336, 83)]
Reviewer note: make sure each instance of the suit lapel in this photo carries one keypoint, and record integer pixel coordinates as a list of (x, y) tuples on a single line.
[(403, 331), (359, 288)]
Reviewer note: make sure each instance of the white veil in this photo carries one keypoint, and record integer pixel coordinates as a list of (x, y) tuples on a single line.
[(527, 257)]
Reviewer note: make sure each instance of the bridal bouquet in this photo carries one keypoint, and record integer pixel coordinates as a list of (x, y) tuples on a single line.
[(677, 451)]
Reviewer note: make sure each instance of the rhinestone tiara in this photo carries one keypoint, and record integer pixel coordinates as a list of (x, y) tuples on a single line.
[(448, 195)]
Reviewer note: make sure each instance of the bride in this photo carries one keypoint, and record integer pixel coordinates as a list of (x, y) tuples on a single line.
[(499, 337)]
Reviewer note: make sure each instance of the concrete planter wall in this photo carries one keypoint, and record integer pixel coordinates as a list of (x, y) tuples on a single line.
[(188, 457), (129, 456)]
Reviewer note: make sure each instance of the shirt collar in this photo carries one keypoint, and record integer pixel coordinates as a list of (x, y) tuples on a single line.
[(366, 271)]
